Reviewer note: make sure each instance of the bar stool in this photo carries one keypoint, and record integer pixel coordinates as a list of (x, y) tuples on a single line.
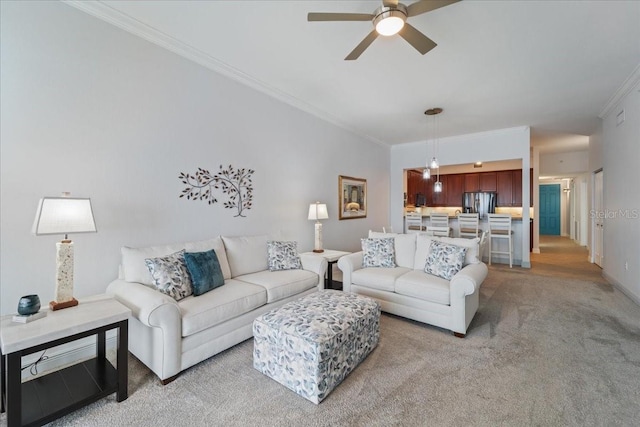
[(500, 228), (439, 224), (468, 225), (437, 231), (414, 222)]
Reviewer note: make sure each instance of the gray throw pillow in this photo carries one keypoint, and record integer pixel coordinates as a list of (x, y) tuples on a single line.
[(283, 256), (170, 275), (378, 252), (444, 260)]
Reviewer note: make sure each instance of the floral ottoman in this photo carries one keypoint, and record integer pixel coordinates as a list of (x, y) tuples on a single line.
[(312, 344)]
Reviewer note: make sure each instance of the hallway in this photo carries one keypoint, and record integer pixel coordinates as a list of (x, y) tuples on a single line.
[(561, 257)]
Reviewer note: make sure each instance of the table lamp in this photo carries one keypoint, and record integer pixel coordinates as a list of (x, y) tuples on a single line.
[(318, 211), (64, 215)]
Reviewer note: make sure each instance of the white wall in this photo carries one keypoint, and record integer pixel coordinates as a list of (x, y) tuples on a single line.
[(621, 153), (562, 164), (504, 144), (91, 109)]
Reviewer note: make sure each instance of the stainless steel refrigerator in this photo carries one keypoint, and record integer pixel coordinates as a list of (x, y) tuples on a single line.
[(482, 203)]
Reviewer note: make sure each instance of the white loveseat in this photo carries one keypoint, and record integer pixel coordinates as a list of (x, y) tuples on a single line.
[(169, 336), (407, 291)]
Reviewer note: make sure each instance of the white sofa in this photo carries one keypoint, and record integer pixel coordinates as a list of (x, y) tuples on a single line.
[(169, 336), (407, 291)]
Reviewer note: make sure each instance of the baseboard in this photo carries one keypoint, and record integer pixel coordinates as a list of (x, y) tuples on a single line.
[(64, 355), (621, 288)]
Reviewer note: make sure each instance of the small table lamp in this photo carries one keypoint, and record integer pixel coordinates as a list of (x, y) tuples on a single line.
[(64, 215), (318, 211)]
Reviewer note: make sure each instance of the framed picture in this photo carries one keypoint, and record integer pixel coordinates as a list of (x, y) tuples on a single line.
[(352, 197)]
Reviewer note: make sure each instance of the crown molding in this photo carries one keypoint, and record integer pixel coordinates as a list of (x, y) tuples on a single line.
[(131, 25), (623, 91)]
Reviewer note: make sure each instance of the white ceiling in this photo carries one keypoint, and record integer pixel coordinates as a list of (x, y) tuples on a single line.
[(551, 65)]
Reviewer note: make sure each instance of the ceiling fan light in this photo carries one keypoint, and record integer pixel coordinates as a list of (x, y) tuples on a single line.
[(390, 25)]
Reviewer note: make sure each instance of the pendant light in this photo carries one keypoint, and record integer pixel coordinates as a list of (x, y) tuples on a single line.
[(435, 164)]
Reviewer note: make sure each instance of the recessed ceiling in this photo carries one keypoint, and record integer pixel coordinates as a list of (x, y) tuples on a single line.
[(551, 65)]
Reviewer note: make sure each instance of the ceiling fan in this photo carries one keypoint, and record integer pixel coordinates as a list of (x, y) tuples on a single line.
[(389, 19)]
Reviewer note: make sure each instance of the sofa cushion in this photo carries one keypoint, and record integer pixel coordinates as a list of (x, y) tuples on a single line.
[(204, 270), (215, 244), (404, 244), (134, 268), (378, 278), (246, 254), (378, 252), (472, 254), (283, 255), (418, 284), (170, 275), (219, 305), (423, 247), (282, 284), (444, 260)]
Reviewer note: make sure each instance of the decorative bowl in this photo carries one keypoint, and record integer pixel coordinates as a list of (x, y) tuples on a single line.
[(28, 304)]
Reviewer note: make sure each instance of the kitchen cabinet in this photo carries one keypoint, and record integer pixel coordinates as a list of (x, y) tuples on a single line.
[(471, 182), (488, 181), (504, 187), (516, 198), (509, 188), (454, 190), (414, 186), (440, 199)]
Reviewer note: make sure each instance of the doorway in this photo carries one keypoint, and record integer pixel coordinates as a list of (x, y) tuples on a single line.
[(598, 218), (549, 211)]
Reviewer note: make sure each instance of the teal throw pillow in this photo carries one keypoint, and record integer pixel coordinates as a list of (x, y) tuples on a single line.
[(204, 269)]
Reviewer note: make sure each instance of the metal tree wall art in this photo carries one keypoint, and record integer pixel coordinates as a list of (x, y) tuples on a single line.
[(235, 183)]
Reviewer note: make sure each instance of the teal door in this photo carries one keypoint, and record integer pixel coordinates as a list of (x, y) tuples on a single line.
[(550, 209)]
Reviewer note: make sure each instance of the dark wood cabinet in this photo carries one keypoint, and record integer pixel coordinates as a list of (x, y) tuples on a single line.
[(440, 199), (504, 187), (507, 184), (509, 188), (414, 186), (471, 182), (531, 188), (516, 192), (454, 190), (488, 181)]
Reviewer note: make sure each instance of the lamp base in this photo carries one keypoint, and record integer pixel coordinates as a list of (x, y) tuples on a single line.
[(60, 305), (318, 251)]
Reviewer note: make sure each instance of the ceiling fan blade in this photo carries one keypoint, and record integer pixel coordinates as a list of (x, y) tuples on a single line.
[(419, 41), (390, 3), (313, 16), (424, 6), (355, 53)]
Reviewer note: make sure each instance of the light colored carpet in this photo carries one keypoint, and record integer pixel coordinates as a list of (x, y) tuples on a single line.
[(545, 349)]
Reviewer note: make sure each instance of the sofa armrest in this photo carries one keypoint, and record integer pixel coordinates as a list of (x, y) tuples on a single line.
[(348, 264), (468, 280), (316, 264), (150, 307)]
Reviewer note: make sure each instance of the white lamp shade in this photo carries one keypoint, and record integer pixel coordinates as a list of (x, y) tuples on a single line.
[(318, 211), (64, 215)]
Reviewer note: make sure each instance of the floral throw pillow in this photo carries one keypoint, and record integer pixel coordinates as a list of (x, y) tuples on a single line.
[(444, 260), (283, 256), (378, 252), (170, 275)]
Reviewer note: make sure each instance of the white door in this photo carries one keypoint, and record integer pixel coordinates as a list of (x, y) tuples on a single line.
[(598, 219)]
